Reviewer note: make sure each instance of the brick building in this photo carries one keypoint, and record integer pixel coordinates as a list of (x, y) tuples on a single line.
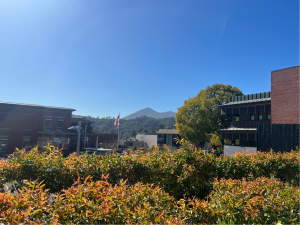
[(23, 125), (27, 125), (285, 96)]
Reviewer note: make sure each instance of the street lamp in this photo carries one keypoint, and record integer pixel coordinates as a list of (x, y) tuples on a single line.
[(78, 128)]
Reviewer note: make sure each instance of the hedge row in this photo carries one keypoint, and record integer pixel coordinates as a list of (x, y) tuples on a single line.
[(189, 172), (259, 201)]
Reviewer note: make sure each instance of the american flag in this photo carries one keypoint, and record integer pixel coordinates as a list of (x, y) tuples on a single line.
[(116, 123)]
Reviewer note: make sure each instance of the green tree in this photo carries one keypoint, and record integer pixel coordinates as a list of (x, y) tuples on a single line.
[(140, 129), (200, 115), (215, 140), (161, 126), (132, 133)]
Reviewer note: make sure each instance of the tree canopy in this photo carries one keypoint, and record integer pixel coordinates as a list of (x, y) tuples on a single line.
[(200, 115), (143, 124)]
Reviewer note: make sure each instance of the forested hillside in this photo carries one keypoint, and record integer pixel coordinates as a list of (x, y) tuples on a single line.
[(150, 113), (131, 127)]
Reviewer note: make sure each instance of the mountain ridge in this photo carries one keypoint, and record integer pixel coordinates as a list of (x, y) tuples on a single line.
[(150, 113)]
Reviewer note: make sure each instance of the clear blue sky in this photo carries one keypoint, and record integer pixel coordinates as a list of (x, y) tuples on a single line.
[(102, 57)]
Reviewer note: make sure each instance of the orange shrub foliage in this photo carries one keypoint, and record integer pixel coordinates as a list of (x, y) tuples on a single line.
[(189, 173), (258, 201)]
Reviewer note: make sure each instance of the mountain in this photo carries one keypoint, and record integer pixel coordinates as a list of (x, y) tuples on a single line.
[(150, 113)]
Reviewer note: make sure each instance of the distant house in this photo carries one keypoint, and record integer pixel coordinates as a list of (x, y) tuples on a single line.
[(167, 137)]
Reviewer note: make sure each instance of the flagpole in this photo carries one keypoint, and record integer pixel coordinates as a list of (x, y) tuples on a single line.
[(118, 132)]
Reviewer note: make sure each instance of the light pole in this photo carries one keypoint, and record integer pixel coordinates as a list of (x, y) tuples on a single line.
[(78, 137)]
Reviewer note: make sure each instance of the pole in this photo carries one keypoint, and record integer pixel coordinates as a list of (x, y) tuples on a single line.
[(118, 131), (167, 139), (97, 144), (85, 135), (78, 138)]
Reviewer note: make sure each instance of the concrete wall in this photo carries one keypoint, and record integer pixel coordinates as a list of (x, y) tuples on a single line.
[(285, 96), (149, 139), (230, 150)]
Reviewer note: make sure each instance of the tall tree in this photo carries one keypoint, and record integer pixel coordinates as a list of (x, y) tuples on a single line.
[(200, 115), (132, 133)]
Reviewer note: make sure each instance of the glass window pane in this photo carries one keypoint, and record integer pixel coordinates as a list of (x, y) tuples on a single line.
[(47, 124), (59, 125)]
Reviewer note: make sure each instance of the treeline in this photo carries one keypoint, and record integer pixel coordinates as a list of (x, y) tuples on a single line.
[(131, 127)]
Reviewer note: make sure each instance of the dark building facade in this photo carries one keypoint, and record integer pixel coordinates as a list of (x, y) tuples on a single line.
[(272, 112), (250, 110)]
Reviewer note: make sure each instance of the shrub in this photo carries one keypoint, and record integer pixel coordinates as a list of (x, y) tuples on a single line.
[(89, 203), (187, 173), (259, 201)]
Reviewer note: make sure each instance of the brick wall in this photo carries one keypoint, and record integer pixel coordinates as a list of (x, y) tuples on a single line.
[(285, 96)]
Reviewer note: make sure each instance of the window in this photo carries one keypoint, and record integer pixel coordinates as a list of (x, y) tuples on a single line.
[(229, 136), (243, 109), (259, 108), (269, 116), (59, 124), (26, 142), (3, 144), (251, 109), (47, 123), (268, 108), (260, 116), (228, 111), (236, 111), (252, 117)]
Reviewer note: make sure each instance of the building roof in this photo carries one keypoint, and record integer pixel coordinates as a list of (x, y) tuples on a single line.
[(78, 117), (236, 128), (246, 101), (39, 106), (167, 131), (285, 68)]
